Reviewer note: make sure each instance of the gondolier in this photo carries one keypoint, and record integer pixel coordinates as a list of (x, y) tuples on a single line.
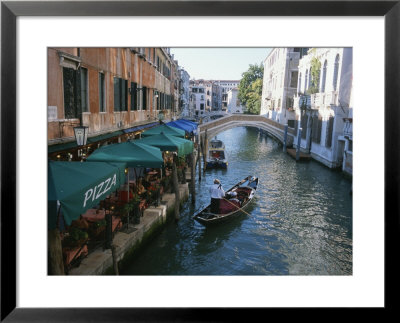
[(217, 193), (228, 207)]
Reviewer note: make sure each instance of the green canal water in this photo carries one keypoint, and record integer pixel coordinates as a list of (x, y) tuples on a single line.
[(300, 222)]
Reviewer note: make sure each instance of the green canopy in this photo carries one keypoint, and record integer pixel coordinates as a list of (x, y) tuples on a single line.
[(132, 153), (78, 186), (172, 131), (171, 143)]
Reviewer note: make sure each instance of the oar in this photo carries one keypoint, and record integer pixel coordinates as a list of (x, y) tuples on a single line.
[(236, 206)]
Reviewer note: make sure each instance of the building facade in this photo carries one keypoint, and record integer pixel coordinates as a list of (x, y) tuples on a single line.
[(226, 86), (109, 90), (323, 106), (197, 98), (184, 92), (280, 84), (234, 105)]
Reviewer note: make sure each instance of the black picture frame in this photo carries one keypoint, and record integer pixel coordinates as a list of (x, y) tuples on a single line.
[(10, 10)]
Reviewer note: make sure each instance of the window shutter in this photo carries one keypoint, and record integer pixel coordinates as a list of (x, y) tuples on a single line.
[(117, 96)]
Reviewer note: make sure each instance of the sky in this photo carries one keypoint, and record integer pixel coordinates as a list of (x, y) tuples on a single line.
[(218, 63)]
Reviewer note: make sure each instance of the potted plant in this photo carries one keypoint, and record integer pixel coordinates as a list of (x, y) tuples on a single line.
[(75, 237)]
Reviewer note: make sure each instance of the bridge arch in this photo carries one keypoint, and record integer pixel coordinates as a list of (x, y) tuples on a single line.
[(274, 129)]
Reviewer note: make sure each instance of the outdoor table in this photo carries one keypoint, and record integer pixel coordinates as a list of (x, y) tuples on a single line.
[(94, 215), (116, 223), (73, 253)]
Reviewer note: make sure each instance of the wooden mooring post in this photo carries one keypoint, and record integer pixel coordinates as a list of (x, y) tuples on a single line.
[(198, 155), (298, 144), (192, 177), (176, 189), (205, 147), (55, 257), (285, 138)]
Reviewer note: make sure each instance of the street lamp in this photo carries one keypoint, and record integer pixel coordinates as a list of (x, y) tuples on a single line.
[(81, 133)]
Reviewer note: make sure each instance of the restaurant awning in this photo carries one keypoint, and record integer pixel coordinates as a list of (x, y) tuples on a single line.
[(139, 128), (189, 122), (105, 136), (171, 131), (78, 186), (132, 153), (181, 125), (168, 143)]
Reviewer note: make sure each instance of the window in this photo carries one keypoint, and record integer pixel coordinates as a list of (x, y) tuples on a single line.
[(144, 95), (84, 90), (316, 129), (293, 80), (71, 83), (201, 90), (323, 77), (329, 132), (133, 96), (299, 90), (102, 93), (305, 82), (120, 94), (201, 106), (336, 72)]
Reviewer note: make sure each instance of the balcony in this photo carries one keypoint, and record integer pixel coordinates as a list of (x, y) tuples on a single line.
[(319, 100)]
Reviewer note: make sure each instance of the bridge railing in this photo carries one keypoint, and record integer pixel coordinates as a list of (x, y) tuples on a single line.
[(244, 118)]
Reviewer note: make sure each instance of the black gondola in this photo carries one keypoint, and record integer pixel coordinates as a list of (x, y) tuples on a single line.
[(245, 190)]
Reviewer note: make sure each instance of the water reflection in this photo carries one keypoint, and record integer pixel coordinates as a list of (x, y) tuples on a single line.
[(300, 222)]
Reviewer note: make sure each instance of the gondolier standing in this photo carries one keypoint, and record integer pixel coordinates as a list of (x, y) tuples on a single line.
[(217, 193)]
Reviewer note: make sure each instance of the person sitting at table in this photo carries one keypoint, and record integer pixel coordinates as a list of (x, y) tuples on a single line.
[(140, 187)]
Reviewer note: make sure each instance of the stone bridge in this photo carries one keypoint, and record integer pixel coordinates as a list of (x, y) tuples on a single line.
[(273, 128)]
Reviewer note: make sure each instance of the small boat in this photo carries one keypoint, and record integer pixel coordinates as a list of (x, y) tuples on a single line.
[(245, 191), (216, 155)]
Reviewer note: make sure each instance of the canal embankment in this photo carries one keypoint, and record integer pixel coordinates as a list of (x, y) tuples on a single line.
[(126, 244)]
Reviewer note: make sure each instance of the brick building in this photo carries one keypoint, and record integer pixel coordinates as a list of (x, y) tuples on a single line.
[(115, 92)]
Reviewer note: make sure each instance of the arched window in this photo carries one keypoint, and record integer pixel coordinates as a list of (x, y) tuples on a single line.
[(335, 72), (299, 88), (323, 77), (305, 82)]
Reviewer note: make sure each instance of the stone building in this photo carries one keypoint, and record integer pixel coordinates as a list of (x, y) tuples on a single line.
[(234, 105), (112, 91), (323, 106), (280, 84), (226, 86), (184, 92), (198, 97)]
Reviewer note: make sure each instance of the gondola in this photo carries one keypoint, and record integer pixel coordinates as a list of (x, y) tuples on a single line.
[(245, 191)]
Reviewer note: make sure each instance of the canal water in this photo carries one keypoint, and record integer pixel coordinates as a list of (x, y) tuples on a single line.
[(300, 222)]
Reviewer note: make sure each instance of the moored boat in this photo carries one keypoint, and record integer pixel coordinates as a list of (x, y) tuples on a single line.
[(216, 155), (243, 193)]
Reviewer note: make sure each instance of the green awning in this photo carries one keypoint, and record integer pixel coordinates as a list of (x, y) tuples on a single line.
[(132, 153), (172, 131), (105, 136), (61, 147), (169, 143), (91, 140), (78, 186)]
